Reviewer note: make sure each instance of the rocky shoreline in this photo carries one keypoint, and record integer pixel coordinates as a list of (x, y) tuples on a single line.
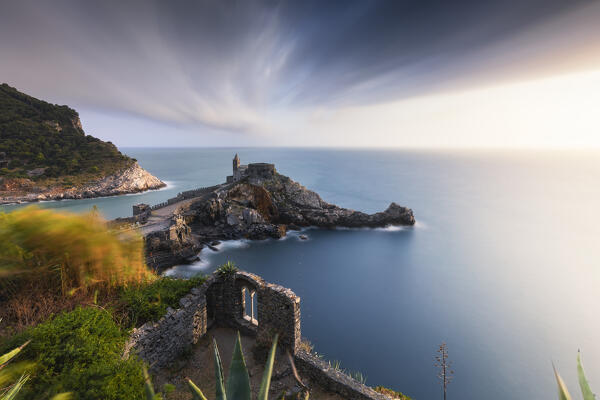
[(133, 179), (264, 208)]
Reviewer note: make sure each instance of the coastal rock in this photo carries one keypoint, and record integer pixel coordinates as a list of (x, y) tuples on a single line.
[(133, 179), (257, 211), (174, 245)]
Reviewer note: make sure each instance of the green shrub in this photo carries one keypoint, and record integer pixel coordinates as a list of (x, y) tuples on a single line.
[(149, 302), (79, 352)]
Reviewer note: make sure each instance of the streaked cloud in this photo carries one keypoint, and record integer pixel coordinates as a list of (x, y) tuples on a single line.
[(261, 69)]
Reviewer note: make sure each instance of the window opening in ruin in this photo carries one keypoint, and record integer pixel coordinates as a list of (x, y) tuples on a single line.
[(250, 305)]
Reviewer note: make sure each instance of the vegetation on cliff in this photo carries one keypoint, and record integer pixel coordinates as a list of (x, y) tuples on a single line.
[(47, 139), (72, 288)]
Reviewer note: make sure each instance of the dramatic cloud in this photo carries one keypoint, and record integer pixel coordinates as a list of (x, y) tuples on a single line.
[(260, 70)]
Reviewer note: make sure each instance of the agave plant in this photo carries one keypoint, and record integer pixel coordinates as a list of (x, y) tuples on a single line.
[(227, 270), (563, 392), (10, 392), (237, 386)]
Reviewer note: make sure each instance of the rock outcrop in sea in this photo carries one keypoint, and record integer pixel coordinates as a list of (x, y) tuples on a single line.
[(253, 207)]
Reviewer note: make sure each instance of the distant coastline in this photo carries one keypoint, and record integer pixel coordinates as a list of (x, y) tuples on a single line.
[(46, 155), (131, 180)]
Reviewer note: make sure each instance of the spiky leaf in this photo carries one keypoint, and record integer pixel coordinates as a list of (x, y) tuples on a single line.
[(63, 396), (11, 354), (266, 378), (220, 387), (563, 393), (583, 383), (12, 393), (196, 392), (238, 381), (148, 389)]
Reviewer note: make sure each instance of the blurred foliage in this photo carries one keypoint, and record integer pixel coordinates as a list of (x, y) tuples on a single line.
[(80, 249), (79, 352), (149, 302), (13, 376), (37, 134)]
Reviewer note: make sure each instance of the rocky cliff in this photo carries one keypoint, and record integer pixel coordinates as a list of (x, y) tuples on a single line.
[(46, 154), (256, 211), (132, 179)]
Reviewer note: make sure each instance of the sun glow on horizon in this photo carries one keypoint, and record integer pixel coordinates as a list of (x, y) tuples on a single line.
[(557, 112)]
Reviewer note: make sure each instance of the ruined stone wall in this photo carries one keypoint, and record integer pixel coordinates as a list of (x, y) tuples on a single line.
[(220, 301), (159, 343), (321, 373)]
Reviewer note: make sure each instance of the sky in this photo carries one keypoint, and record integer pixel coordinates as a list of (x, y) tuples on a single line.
[(398, 73)]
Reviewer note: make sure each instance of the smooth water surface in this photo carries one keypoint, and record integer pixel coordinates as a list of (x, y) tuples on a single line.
[(503, 263)]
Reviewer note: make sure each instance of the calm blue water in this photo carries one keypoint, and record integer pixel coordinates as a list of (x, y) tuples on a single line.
[(503, 265)]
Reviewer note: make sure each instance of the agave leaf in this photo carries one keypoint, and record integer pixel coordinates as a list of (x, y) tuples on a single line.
[(220, 388), (563, 393), (63, 396), (266, 378), (196, 392), (238, 381), (583, 383), (12, 393), (148, 389), (11, 354)]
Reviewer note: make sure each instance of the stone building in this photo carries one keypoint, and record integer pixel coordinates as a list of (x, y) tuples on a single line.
[(256, 172), (140, 209)]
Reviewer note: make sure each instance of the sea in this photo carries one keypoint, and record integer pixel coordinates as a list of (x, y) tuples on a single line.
[(503, 264)]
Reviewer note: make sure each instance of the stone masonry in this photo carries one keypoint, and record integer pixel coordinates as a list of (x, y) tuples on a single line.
[(245, 302), (220, 301)]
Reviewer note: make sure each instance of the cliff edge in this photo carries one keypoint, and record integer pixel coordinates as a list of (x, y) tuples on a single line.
[(45, 154)]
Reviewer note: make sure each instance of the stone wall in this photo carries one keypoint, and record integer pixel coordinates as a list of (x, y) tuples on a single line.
[(221, 301), (259, 172), (321, 373), (159, 343)]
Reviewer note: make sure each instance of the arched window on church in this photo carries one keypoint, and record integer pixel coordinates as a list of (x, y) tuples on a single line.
[(249, 305)]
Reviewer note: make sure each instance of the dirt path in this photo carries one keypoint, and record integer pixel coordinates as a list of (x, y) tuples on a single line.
[(198, 365)]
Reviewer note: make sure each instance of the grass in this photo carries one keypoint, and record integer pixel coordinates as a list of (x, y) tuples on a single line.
[(149, 302), (78, 249), (392, 393)]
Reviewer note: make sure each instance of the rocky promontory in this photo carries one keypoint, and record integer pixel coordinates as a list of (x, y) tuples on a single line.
[(251, 209), (132, 179), (46, 155)]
